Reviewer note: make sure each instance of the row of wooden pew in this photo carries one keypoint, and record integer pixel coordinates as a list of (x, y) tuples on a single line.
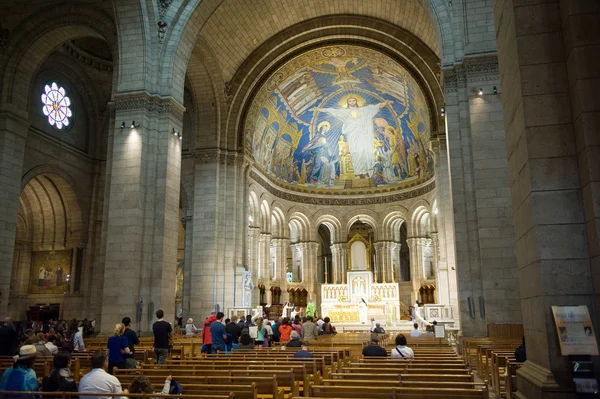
[(494, 360)]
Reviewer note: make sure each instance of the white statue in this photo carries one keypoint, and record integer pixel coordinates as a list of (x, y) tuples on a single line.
[(418, 317), (363, 311)]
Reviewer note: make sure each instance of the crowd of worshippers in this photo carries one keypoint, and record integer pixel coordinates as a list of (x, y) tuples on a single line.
[(250, 332), (47, 337)]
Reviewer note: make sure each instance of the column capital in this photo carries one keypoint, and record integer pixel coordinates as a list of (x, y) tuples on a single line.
[(145, 102)]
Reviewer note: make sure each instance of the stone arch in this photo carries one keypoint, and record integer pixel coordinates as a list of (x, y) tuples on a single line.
[(212, 18), (206, 85), (333, 224), (366, 216), (51, 213), (265, 217), (52, 26), (300, 227), (278, 224), (392, 40), (253, 209), (392, 223), (419, 212)]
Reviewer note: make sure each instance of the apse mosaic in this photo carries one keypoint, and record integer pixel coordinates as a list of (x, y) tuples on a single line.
[(340, 118)]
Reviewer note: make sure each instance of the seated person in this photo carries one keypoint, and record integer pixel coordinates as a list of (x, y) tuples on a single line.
[(521, 353), (374, 349), (429, 331), (141, 384), (401, 351), (60, 378), (98, 380), (415, 333), (245, 341), (303, 353), (328, 328), (378, 329), (21, 376), (294, 341)]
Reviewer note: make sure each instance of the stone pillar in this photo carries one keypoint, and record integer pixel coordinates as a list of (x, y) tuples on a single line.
[(549, 69), (312, 249), (187, 221), (297, 262), (415, 275), (13, 135), (339, 262), (279, 246), (395, 261), (384, 258), (445, 253), (252, 255), (219, 230), (143, 211), (264, 257)]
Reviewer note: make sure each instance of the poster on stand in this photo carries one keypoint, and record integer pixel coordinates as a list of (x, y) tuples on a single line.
[(575, 330)]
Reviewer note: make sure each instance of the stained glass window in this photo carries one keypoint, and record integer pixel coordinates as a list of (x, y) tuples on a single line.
[(56, 106)]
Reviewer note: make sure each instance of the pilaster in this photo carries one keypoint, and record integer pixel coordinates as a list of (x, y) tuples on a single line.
[(143, 211), (13, 135)]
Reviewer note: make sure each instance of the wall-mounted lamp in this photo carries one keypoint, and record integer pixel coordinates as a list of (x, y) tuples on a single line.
[(123, 125), (443, 111), (134, 125), (177, 134), (480, 91), (495, 90)]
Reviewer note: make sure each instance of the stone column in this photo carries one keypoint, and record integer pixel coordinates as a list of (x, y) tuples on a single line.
[(395, 261), (264, 257), (312, 249), (549, 70), (279, 246), (143, 211), (219, 229), (187, 221), (297, 262), (339, 260), (13, 135), (415, 275)]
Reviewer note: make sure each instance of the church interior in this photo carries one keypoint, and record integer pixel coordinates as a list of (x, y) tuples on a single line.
[(424, 165)]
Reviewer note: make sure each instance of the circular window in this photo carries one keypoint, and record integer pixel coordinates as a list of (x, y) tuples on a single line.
[(56, 106)]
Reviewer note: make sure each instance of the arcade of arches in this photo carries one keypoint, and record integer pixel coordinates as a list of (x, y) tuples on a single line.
[(194, 156)]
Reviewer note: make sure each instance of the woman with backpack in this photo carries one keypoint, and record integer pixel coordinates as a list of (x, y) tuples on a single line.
[(117, 346), (60, 378)]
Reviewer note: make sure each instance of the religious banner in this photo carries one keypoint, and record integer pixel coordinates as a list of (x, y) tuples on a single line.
[(575, 330), (50, 272)]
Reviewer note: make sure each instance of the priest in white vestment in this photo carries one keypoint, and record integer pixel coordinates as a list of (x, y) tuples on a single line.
[(360, 134)]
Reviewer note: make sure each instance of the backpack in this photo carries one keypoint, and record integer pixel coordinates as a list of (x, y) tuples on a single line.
[(69, 343)]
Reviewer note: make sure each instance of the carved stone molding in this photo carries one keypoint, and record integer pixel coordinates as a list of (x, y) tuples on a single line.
[(4, 36), (163, 6), (86, 58), (472, 70), (367, 199), (150, 104), (229, 158)]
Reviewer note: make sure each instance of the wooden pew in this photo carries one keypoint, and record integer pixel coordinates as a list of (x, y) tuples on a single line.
[(338, 391)]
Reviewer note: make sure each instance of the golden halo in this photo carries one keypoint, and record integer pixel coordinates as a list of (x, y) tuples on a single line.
[(324, 123), (360, 100)]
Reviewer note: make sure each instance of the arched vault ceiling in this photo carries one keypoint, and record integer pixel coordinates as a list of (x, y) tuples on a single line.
[(235, 29)]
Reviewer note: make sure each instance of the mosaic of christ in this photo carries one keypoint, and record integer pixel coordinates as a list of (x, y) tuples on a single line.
[(340, 118)]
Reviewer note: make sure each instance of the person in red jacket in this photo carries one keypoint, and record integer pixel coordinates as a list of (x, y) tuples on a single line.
[(206, 337)]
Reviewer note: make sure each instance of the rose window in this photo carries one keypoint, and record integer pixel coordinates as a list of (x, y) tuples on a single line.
[(57, 106)]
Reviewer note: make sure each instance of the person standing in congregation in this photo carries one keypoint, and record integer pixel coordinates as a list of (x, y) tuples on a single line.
[(234, 329), (309, 329), (8, 338), (162, 331), (132, 340), (206, 336), (217, 332)]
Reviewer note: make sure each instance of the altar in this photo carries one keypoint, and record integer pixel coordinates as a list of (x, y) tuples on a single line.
[(341, 302)]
